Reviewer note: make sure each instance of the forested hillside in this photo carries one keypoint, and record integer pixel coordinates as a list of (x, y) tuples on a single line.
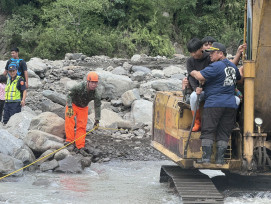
[(121, 28)]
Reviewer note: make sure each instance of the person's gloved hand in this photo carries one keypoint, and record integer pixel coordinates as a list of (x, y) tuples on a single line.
[(96, 124), (69, 112)]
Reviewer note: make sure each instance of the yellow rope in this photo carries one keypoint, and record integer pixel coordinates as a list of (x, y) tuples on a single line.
[(47, 155), (57, 150)]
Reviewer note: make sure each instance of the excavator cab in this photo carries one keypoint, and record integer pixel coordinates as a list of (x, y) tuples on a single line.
[(249, 147)]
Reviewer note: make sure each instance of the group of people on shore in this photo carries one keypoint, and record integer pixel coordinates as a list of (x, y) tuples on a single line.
[(13, 85), (213, 78), (13, 90)]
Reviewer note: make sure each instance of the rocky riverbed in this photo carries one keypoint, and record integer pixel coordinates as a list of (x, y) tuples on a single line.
[(128, 88)]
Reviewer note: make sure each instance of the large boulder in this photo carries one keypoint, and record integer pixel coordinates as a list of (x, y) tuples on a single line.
[(9, 164), (38, 66), (109, 118), (55, 97), (146, 90), (119, 71), (113, 85), (19, 123), (32, 74), (50, 106), (34, 83), (70, 164), (141, 69), (49, 165), (68, 83), (141, 111), (41, 141), (15, 147), (167, 85), (157, 73), (173, 69), (50, 123), (129, 97)]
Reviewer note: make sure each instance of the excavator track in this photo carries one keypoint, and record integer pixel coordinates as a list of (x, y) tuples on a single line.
[(192, 185)]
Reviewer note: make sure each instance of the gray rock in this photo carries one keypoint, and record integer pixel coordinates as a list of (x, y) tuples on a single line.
[(32, 74), (142, 111), (48, 154), (167, 85), (172, 69), (129, 97), (109, 118), (127, 66), (74, 56), (37, 65), (178, 76), (19, 123), (34, 83), (113, 86), (41, 141), (62, 154), (50, 123), (49, 165), (9, 164), (116, 103), (15, 147), (85, 161), (50, 106), (68, 83), (157, 73), (70, 165), (55, 97), (138, 76), (136, 58), (119, 71), (141, 69), (146, 90), (125, 124)]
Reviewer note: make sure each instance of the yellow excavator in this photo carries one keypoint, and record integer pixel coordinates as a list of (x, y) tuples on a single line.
[(249, 147)]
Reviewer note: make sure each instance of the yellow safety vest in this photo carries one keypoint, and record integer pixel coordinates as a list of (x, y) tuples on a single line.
[(12, 93)]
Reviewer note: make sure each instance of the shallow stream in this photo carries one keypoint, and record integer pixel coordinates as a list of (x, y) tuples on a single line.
[(114, 182)]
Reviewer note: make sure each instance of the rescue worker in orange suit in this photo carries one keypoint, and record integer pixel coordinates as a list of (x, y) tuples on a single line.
[(77, 106)]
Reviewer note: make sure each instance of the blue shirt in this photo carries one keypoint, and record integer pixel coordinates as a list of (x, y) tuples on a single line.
[(221, 77)]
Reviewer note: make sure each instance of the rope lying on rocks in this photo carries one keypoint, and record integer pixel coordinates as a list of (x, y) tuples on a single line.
[(47, 155), (56, 151)]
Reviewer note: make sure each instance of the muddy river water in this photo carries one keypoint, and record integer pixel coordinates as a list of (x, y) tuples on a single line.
[(125, 182)]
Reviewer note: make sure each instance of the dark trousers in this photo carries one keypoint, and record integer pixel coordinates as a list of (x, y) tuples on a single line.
[(2, 103), (217, 121), (10, 109)]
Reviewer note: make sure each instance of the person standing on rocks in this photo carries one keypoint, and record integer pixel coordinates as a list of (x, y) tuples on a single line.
[(218, 117), (199, 60), (77, 106), (15, 94), (20, 64)]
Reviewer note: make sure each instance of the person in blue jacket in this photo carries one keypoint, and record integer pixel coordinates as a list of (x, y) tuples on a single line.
[(219, 79)]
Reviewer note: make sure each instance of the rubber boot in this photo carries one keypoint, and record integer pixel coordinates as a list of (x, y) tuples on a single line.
[(220, 152), (197, 124), (206, 154)]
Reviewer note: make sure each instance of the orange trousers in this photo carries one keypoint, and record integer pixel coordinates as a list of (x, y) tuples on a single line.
[(81, 125)]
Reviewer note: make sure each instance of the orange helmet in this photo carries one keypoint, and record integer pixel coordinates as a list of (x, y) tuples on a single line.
[(92, 76)]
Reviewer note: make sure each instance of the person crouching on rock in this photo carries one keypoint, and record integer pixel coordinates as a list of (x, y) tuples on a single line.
[(77, 106), (15, 94)]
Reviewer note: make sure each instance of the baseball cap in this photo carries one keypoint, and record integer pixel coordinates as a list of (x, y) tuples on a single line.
[(12, 68), (217, 47)]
